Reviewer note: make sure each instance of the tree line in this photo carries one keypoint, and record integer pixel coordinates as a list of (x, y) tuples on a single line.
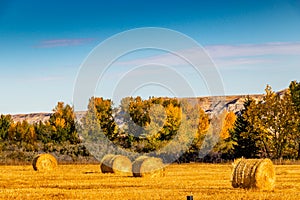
[(269, 127)]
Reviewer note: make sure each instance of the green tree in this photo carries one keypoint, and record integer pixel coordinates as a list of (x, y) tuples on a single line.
[(276, 124), (295, 96), (5, 123), (243, 136), (43, 132)]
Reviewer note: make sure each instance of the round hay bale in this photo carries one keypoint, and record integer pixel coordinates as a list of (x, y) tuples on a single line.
[(44, 162), (254, 174), (117, 164), (148, 167), (106, 163)]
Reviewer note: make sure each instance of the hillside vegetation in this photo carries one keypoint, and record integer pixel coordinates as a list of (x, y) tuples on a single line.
[(249, 126)]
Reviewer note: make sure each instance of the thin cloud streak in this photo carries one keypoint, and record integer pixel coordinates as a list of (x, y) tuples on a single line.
[(43, 79), (279, 48), (50, 78), (225, 55), (229, 62), (64, 42)]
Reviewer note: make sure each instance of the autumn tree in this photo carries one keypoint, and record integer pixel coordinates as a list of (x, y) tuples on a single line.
[(98, 128), (202, 124), (266, 128), (276, 124), (224, 147), (104, 113), (23, 134), (62, 122), (90, 125), (149, 124), (228, 124), (99, 121)]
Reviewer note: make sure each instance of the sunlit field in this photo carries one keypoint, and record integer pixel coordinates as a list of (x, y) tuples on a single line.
[(202, 181)]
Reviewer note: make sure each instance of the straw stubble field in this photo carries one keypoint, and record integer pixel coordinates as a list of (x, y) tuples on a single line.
[(203, 181)]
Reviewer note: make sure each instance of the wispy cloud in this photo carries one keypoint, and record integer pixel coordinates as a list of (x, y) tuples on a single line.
[(226, 55), (251, 54), (50, 78), (230, 62), (164, 59), (42, 79), (279, 48), (63, 42)]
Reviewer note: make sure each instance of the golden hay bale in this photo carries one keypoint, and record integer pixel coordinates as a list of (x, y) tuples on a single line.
[(254, 174), (117, 164), (106, 163), (44, 162), (145, 166)]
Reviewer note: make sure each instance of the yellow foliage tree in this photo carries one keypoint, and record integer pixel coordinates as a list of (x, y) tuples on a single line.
[(228, 124)]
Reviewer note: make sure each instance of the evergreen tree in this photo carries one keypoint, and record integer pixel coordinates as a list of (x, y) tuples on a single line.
[(295, 92), (295, 96), (243, 136)]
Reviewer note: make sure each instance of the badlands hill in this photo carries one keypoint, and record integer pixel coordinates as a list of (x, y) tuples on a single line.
[(209, 104)]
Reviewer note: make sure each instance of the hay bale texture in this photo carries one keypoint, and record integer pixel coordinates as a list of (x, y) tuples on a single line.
[(117, 164), (253, 174), (145, 166), (44, 162)]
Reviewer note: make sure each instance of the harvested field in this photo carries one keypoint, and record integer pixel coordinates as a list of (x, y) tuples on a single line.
[(203, 181)]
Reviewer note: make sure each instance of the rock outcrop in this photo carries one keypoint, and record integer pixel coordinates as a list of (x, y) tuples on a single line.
[(208, 104)]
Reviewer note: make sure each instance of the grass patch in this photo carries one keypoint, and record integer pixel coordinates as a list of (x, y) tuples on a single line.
[(203, 181)]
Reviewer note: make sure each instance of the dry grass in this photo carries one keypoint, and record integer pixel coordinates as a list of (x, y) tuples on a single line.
[(203, 181)]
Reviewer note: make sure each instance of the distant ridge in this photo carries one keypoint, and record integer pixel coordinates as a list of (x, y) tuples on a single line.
[(36, 117), (31, 117), (233, 103)]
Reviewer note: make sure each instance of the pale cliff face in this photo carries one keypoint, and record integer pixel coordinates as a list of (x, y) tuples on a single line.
[(208, 104)]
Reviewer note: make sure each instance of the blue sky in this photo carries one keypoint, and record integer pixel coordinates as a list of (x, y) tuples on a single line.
[(43, 43)]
